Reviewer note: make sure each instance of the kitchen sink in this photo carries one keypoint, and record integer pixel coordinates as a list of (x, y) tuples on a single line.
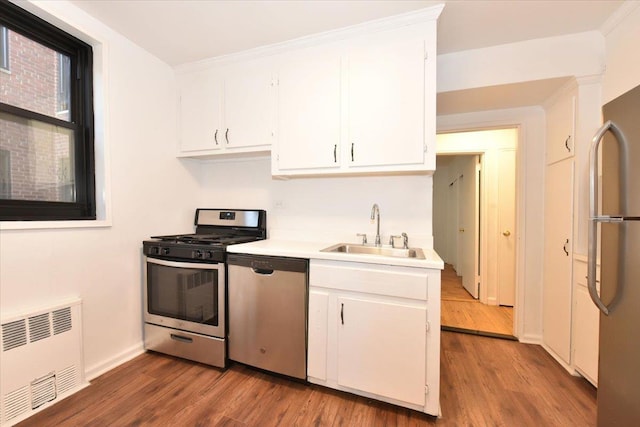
[(352, 248)]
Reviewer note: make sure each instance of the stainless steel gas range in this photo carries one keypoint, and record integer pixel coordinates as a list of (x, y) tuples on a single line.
[(185, 284)]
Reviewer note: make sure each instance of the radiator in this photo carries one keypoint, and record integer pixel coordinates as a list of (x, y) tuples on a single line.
[(40, 359)]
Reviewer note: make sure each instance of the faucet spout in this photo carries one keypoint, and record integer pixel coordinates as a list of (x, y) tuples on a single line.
[(375, 215)]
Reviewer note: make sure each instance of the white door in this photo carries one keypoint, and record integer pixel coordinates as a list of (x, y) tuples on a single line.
[(506, 261), (386, 103), (309, 99), (248, 106), (558, 220), (372, 337), (469, 223)]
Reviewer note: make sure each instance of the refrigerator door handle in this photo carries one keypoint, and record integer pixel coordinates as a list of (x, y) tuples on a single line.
[(593, 209)]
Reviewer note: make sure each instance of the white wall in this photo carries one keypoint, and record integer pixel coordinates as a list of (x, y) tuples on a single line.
[(622, 59), (329, 209), (151, 192)]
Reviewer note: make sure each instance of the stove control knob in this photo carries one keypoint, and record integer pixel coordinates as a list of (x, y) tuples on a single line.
[(165, 251), (198, 254), (210, 254), (154, 250)]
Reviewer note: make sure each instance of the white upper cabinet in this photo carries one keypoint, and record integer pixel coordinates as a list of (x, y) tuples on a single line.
[(358, 100), (386, 94), (226, 109), (365, 104), (561, 128), (200, 113), (309, 113), (248, 105)]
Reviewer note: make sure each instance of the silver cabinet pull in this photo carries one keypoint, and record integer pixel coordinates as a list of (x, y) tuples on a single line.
[(564, 247), (215, 136), (335, 153), (566, 143), (342, 313), (352, 144), (226, 135)]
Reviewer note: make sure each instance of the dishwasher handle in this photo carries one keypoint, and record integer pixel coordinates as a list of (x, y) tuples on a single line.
[(262, 264), (263, 271)]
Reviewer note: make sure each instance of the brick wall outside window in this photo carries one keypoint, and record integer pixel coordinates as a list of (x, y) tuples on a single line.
[(38, 155)]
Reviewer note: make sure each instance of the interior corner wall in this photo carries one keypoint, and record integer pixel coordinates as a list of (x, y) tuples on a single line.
[(441, 180), (623, 62), (151, 192)]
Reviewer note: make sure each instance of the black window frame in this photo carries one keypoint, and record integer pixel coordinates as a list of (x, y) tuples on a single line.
[(81, 121)]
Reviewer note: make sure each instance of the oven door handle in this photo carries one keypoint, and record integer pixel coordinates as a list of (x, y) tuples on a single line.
[(200, 265)]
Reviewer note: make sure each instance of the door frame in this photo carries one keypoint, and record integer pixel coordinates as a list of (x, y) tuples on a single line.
[(483, 228)]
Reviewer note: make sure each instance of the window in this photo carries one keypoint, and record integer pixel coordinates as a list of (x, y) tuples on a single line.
[(4, 48), (5, 176), (46, 121)]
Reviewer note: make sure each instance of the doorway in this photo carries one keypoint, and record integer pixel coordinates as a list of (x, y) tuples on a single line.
[(474, 229)]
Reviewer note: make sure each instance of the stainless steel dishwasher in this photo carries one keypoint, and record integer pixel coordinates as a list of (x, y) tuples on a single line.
[(268, 313)]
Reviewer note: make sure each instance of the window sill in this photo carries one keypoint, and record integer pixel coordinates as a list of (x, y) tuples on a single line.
[(49, 225)]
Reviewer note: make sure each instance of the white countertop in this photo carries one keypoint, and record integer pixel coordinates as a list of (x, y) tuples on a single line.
[(311, 250)]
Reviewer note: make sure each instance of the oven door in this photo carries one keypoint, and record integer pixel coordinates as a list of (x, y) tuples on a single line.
[(185, 295)]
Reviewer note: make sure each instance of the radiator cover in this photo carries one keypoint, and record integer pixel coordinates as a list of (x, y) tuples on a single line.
[(40, 359)]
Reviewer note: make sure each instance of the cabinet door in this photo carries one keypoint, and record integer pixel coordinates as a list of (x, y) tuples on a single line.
[(561, 129), (557, 283), (386, 96), (381, 348), (248, 106), (200, 112), (586, 334), (309, 112)]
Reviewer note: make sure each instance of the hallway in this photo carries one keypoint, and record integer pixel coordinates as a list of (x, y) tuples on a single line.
[(461, 311)]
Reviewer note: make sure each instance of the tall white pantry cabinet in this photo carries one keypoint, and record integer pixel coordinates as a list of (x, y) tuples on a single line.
[(570, 325)]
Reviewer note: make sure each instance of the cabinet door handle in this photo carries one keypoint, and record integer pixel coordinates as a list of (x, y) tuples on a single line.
[(335, 153), (564, 247), (352, 144), (566, 143), (342, 313), (215, 136), (226, 135)]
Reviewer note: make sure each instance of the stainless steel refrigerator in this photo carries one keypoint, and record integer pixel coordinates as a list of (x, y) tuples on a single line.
[(619, 246)]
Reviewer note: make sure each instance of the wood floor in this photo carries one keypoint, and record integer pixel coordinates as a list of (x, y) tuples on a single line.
[(461, 311), (485, 382)]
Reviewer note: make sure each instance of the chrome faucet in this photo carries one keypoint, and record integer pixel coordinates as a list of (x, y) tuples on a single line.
[(375, 215)]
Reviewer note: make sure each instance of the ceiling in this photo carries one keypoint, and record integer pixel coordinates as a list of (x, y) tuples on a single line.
[(182, 31)]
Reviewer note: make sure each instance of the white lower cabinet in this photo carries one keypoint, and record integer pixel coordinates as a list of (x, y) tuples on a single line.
[(374, 356), (374, 330), (586, 326)]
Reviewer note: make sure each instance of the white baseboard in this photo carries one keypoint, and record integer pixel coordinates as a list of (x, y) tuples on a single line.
[(569, 368), (107, 365), (530, 339)]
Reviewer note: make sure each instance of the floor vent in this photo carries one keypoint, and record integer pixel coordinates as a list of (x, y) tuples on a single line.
[(41, 360)]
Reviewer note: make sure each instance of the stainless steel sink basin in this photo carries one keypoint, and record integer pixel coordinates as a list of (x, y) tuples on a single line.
[(351, 248)]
